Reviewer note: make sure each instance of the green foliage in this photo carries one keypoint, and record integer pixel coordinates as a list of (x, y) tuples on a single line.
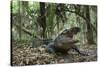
[(14, 6), (73, 15)]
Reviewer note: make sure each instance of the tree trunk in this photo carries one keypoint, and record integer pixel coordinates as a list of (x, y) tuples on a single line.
[(89, 29), (19, 20), (42, 17)]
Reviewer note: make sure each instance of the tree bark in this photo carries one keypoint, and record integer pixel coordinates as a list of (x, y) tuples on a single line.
[(42, 17), (89, 29)]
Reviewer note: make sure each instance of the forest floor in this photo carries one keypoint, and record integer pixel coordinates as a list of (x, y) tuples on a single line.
[(25, 55)]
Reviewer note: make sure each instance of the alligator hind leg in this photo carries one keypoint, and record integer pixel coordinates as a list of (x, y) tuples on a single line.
[(76, 49)]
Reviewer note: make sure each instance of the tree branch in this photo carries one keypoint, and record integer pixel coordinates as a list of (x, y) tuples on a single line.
[(82, 17), (24, 29)]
